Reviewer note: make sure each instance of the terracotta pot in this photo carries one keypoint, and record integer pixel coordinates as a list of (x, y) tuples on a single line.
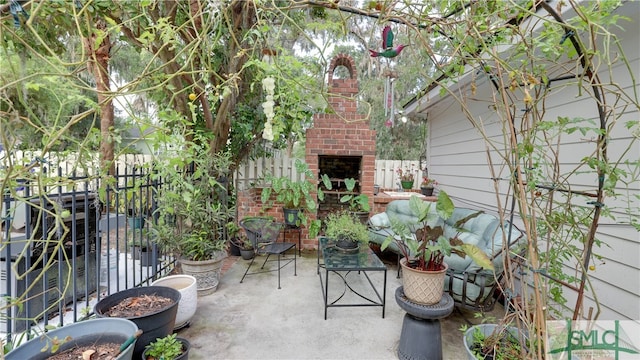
[(423, 287)]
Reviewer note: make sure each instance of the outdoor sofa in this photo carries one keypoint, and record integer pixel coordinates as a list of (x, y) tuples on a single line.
[(470, 286)]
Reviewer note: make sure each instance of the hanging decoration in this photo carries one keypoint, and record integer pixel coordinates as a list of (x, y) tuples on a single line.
[(387, 45), (388, 51), (269, 86)]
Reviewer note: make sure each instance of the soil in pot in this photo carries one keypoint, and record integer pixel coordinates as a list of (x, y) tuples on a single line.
[(138, 306), (101, 351)]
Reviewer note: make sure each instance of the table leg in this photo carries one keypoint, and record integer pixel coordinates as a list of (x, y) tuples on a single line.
[(384, 293), (326, 294)]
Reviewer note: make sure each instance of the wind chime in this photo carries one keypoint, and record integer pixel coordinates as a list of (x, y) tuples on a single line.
[(389, 98), (390, 76)]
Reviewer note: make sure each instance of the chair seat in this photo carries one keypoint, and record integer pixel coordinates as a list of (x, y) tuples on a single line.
[(275, 248)]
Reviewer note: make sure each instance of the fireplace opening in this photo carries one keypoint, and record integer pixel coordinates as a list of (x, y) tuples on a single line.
[(337, 168)]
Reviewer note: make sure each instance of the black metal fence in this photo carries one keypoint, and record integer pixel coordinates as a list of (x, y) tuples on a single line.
[(65, 247)]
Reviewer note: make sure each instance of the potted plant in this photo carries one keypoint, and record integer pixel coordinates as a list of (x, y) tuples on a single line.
[(192, 213), (134, 202), (494, 341), (427, 185), (346, 230), (406, 177), (246, 247), (169, 347), (296, 197), (81, 336), (423, 264), (152, 308), (232, 232)]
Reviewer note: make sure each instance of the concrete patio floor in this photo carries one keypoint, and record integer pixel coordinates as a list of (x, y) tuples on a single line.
[(256, 320)]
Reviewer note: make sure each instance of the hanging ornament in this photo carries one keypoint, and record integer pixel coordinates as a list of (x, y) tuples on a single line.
[(387, 45), (269, 86)]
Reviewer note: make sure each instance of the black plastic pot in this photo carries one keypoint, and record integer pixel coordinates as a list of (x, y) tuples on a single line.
[(291, 216), (154, 325)]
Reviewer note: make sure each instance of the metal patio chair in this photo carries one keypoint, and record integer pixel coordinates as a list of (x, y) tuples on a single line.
[(264, 233)]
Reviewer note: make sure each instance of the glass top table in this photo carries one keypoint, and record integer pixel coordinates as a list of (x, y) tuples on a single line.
[(344, 264)]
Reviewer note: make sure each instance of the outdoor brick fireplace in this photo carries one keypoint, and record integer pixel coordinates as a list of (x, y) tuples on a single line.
[(340, 144)]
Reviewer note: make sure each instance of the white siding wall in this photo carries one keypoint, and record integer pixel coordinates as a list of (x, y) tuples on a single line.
[(457, 157)]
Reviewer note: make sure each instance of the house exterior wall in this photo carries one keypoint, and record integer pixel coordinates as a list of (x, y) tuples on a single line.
[(458, 158)]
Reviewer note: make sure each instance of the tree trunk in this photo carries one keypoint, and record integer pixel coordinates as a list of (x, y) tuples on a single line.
[(98, 66)]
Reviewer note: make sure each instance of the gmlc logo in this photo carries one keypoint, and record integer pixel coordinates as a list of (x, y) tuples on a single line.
[(601, 339)]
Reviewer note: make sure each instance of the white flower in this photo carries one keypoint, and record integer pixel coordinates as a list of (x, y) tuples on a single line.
[(267, 134), (269, 85)]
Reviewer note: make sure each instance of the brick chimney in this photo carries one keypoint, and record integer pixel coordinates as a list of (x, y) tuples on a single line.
[(340, 144)]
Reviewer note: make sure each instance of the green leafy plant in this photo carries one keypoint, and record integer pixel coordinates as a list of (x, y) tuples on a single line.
[(345, 226), (166, 348), (243, 242), (295, 194), (427, 250), (357, 202), (501, 344), (192, 214)]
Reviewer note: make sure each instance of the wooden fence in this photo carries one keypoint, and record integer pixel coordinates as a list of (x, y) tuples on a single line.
[(250, 172), (246, 176)]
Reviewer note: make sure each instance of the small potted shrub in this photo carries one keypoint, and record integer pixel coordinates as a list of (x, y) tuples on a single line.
[(346, 230), (495, 341), (246, 247), (169, 347)]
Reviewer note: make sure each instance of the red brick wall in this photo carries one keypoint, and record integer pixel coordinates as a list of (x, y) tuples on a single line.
[(249, 204)]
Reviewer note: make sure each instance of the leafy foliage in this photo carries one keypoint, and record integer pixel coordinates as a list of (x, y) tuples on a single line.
[(427, 250), (167, 348), (345, 226), (192, 211)]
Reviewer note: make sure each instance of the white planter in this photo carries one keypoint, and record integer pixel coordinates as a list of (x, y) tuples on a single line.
[(188, 288)]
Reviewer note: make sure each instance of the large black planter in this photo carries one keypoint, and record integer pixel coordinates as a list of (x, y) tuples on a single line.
[(154, 325)]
